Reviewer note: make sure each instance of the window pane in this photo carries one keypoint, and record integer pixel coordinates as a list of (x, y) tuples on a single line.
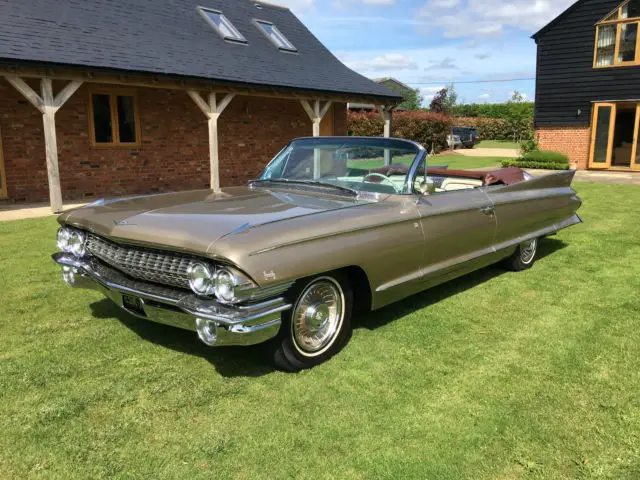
[(224, 26), (276, 36), (606, 45), (613, 16), (627, 49), (102, 119), (126, 119), (602, 135), (631, 9)]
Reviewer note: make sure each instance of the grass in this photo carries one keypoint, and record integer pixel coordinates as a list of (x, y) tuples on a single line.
[(498, 144), (493, 376)]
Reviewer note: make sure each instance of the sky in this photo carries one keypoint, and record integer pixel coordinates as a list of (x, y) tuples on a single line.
[(428, 44)]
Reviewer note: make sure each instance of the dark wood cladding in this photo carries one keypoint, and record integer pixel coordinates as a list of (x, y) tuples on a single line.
[(566, 80)]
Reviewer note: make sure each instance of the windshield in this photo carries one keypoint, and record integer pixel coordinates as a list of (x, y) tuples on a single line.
[(356, 163)]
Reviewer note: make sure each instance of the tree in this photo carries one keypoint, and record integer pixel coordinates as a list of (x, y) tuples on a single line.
[(412, 100), (451, 98), (439, 102)]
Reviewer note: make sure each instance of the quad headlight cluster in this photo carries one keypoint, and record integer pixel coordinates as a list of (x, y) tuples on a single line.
[(225, 283), (72, 241)]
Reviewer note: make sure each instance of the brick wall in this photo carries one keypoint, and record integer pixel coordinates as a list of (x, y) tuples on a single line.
[(174, 154), (572, 141)]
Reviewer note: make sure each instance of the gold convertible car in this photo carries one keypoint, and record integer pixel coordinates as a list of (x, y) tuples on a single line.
[(333, 225)]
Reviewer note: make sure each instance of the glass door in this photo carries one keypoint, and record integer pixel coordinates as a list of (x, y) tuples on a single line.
[(602, 129), (3, 181), (635, 161)]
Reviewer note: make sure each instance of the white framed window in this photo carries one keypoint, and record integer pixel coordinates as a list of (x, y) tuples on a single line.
[(275, 35), (222, 25)]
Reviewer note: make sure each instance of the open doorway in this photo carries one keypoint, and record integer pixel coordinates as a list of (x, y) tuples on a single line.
[(614, 136), (623, 135)]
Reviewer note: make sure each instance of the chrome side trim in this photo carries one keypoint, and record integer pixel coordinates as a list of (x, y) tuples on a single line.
[(452, 264)]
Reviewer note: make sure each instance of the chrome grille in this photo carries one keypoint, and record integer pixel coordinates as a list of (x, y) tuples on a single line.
[(153, 266)]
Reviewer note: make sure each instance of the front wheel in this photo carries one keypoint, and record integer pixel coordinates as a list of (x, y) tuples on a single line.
[(318, 326), (523, 257)]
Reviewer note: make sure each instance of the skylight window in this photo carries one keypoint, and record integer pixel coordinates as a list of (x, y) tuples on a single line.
[(275, 35), (222, 25)]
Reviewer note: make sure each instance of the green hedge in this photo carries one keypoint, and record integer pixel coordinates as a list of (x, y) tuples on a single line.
[(546, 156), (528, 164), (498, 128), (429, 129), (543, 159), (494, 110)]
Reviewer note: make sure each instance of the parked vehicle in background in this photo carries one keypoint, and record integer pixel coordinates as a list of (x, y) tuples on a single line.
[(468, 136), (454, 141)]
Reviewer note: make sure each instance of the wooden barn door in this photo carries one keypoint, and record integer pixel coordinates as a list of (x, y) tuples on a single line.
[(3, 178)]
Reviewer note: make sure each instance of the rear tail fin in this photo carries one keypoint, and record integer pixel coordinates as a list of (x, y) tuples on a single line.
[(552, 180)]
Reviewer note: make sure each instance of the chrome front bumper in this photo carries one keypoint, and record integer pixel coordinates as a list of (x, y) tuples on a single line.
[(216, 324)]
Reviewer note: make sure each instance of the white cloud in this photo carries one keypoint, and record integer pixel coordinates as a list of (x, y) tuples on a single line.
[(428, 93), (299, 7), (342, 4), (484, 96), (487, 18), (384, 63)]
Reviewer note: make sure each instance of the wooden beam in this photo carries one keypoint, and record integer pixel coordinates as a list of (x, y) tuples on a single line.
[(66, 93), (26, 91), (225, 102), (386, 113), (212, 110), (326, 108), (308, 109), (199, 101), (51, 145)]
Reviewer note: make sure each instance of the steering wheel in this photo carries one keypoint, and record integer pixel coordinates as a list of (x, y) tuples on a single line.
[(381, 176)]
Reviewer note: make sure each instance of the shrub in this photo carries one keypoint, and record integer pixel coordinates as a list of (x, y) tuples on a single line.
[(528, 146), (494, 110), (498, 128), (546, 156), (540, 159), (529, 164), (429, 129)]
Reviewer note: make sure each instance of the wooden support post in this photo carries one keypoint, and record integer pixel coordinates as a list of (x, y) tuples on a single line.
[(48, 105), (212, 110), (316, 113), (386, 114)]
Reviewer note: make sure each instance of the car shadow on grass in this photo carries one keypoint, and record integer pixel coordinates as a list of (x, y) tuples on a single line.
[(229, 361), (395, 311), (253, 362)]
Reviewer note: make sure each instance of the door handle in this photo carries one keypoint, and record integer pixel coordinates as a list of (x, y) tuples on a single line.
[(488, 210)]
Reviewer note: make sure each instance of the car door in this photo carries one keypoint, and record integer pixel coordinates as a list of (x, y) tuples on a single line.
[(458, 227)]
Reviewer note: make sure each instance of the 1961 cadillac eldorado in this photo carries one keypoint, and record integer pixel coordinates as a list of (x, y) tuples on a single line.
[(333, 224)]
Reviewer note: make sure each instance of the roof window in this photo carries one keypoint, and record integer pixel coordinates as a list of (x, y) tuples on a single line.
[(222, 25), (275, 35)]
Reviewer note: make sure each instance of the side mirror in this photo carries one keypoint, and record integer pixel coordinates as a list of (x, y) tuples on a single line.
[(427, 187)]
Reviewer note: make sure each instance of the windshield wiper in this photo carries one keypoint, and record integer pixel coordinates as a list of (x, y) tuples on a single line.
[(351, 191)]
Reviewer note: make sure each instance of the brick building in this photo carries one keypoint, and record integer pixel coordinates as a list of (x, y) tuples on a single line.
[(113, 98), (588, 83)]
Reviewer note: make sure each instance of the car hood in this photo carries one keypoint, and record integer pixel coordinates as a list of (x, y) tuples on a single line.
[(193, 221)]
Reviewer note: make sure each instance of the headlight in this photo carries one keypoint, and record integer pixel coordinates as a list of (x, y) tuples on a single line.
[(201, 279), (225, 286), (72, 241), (63, 239), (77, 243)]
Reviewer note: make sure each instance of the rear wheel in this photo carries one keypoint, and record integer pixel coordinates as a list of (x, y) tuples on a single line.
[(318, 326), (523, 257)]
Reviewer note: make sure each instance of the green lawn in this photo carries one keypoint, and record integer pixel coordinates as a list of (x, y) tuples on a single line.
[(461, 162), (495, 376), (497, 144)]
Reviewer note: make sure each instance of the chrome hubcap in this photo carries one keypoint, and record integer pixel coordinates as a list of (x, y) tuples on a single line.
[(317, 317), (528, 250)]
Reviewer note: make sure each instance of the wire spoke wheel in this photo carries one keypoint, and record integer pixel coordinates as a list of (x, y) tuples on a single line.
[(317, 317), (528, 251)]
